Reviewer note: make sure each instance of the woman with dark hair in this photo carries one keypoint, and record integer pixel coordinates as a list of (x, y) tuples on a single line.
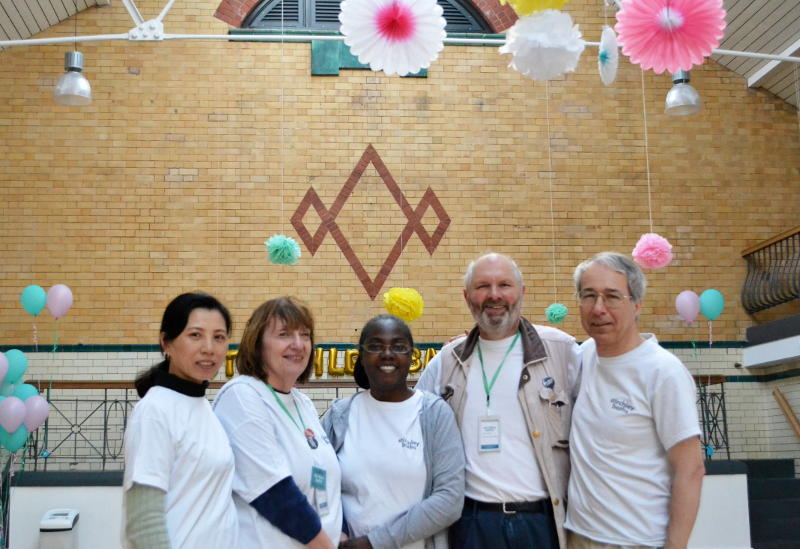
[(286, 485), (400, 450), (178, 463)]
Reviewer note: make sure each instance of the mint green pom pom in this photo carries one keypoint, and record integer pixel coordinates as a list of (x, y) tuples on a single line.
[(556, 313), (282, 250)]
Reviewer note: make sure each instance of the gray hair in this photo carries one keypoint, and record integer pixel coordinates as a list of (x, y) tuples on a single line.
[(491, 255), (619, 263)]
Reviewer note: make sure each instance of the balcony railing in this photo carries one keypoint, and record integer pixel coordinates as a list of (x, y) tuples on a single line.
[(86, 425), (773, 272)]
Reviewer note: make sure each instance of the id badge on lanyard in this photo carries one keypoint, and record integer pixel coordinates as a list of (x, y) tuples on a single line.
[(489, 425), (489, 433), (319, 484)]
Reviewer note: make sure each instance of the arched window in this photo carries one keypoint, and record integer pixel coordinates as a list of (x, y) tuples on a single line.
[(460, 15)]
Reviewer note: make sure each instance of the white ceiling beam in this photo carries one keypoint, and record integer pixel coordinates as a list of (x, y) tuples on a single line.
[(133, 11), (770, 66)]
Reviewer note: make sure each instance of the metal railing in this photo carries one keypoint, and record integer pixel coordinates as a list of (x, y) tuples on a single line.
[(86, 425), (713, 415), (773, 272), (83, 431)]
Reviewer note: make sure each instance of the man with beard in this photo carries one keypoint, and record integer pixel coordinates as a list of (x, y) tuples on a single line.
[(509, 384)]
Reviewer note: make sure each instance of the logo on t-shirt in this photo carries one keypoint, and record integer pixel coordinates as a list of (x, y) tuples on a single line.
[(409, 444), (622, 405)]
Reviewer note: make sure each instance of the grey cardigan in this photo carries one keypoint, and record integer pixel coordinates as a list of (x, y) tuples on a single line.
[(443, 453)]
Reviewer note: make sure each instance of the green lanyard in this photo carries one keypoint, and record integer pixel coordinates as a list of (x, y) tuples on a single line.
[(286, 410), (486, 385)]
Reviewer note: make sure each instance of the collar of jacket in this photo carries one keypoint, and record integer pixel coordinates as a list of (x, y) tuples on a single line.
[(163, 378), (532, 347)]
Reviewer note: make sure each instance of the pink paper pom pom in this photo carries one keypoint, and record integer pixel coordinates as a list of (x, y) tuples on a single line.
[(652, 251), (670, 35)]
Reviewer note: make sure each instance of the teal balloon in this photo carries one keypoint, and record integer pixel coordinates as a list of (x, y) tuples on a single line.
[(7, 389), (17, 364), (711, 304), (33, 299), (3, 436), (16, 440), (25, 391)]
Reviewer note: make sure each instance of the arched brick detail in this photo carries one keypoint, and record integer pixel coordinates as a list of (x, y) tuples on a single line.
[(499, 17), (234, 12)]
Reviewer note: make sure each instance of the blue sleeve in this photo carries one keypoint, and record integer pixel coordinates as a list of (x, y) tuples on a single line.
[(285, 506)]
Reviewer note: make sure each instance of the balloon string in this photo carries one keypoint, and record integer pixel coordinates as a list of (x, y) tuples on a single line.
[(35, 339), (550, 189), (55, 341), (647, 155), (694, 350), (709, 334)]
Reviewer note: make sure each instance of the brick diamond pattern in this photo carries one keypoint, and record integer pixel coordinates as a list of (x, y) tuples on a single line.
[(329, 225)]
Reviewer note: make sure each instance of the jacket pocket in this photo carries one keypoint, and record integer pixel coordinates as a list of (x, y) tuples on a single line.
[(559, 412)]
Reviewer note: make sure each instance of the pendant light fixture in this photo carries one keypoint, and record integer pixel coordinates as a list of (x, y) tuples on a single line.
[(682, 99), (73, 88)]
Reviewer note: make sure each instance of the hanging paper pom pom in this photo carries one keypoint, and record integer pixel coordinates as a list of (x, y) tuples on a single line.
[(652, 251), (527, 7), (608, 56), (395, 36), (545, 45), (282, 249), (405, 303), (556, 313), (670, 35)]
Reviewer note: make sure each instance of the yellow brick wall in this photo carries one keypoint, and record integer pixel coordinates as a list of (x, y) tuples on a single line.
[(195, 152)]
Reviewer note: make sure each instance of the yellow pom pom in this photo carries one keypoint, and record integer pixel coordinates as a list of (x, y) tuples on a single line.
[(527, 7), (405, 303)]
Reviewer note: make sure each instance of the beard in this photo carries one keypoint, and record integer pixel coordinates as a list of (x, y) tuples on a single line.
[(497, 326)]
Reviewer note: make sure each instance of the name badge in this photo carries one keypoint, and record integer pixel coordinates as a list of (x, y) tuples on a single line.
[(319, 483), (318, 478), (489, 434)]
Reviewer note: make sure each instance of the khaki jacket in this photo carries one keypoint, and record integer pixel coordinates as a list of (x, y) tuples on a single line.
[(547, 353)]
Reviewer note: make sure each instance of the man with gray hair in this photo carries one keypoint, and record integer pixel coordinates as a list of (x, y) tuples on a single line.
[(508, 383), (637, 466)]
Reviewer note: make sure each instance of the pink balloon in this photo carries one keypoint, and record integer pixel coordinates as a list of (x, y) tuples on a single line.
[(36, 411), (59, 300), (3, 367), (12, 413), (688, 305)]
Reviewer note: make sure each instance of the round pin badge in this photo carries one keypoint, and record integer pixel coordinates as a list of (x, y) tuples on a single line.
[(311, 439)]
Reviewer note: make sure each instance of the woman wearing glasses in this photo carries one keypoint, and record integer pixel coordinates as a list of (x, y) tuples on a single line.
[(400, 450), (286, 484)]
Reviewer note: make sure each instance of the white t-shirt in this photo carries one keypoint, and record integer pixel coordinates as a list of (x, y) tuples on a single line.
[(383, 467), (269, 447), (175, 443), (512, 474), (630, 411)]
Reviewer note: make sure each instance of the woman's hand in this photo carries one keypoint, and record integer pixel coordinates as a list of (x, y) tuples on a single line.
[(320, 541), (356, 543)]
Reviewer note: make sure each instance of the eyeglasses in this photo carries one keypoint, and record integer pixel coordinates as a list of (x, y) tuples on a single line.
[(395, 348), (611, 300)]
